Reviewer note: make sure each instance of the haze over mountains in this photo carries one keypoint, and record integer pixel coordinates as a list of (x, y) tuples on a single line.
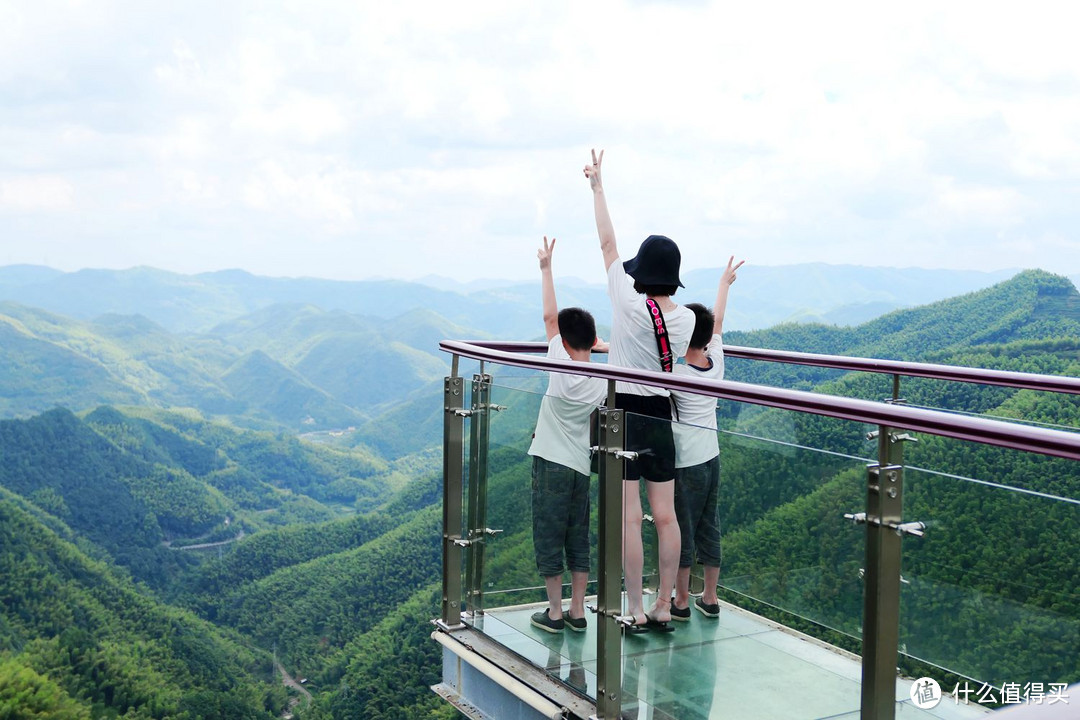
[(765, 296), (309, 354)]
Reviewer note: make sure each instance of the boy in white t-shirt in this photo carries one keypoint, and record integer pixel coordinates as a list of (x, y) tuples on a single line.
[(560, 450), (697, 456)]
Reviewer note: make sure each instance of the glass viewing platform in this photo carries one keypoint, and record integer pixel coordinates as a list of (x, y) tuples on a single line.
[(867, 546)]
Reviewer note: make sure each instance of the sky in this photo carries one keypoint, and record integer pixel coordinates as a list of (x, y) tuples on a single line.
[(352, 140)]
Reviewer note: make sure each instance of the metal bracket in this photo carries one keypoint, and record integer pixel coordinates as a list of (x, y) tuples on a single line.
[(621, 454), (893, 437), (462, 542), (914, 529), (903, 580), (447, 628), (610, 613), (459, 412)]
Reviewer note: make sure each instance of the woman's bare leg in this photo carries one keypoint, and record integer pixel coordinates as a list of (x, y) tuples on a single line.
[(669, 543), (632, 554)]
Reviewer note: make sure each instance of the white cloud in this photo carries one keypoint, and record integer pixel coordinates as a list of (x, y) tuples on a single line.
[(37, 193), (323, 197), (442, 133)]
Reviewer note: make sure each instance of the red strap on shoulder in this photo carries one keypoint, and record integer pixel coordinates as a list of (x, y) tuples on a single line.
[(663, 346)]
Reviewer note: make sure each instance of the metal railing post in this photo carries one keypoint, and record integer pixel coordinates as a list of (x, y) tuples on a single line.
[(477, 514), (881, 592), (609, 570), (453, 469)]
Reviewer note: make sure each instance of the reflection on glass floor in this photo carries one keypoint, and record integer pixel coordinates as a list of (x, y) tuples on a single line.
[(738, 666)]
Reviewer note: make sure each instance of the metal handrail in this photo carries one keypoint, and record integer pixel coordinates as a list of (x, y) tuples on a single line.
[(934, 371), (1045, 441)]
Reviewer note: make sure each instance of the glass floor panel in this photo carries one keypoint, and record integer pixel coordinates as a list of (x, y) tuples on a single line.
[(738, 666)]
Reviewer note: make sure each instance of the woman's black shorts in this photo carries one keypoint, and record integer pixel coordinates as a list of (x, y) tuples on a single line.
[(648, 433)]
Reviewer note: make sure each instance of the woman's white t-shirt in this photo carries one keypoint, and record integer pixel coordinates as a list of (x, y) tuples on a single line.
[(695, 433), (633, 342)]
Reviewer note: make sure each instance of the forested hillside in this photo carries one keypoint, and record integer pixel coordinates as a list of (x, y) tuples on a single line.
[(156, 559), (1034, 306), (286, 367), (277, 573), (94, 646)]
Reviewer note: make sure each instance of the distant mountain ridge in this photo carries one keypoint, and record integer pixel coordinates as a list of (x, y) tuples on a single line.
[(290, 366), (304, 367), (1032, 305), (765, 295)]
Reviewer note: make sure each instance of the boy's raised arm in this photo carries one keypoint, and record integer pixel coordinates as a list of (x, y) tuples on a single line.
[(547, 289), (604, 228), (721, 294)]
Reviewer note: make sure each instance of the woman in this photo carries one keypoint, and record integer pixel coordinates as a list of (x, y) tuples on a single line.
[(643, 315)]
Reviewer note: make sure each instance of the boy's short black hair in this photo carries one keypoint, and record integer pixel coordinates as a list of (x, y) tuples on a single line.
[(577, 327), (658, 290), (703, 325)]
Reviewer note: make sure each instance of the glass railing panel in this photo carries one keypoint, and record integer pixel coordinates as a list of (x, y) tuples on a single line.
[(650, 545), (787, 479), (795, 429), (784, 544), (1027, 407), (524, 379), (652, 440), (513, 587), (510, 574), (800, 377), (991, 592)]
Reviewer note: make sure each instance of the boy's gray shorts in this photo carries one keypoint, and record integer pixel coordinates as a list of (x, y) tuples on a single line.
[(695, 506), (560, 509)]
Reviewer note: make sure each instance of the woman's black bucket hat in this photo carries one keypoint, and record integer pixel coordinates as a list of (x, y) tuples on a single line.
[(656, 263)]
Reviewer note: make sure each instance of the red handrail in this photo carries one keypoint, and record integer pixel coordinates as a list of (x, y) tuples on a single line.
[(1057, 443), (954, 373)]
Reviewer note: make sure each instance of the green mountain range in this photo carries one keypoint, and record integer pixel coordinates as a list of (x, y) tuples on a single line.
[(294, 367), (166, 535)]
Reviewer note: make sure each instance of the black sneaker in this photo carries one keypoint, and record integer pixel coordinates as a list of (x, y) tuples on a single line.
[(542, 621), (576, 624), (706, 609), (680, 614)]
